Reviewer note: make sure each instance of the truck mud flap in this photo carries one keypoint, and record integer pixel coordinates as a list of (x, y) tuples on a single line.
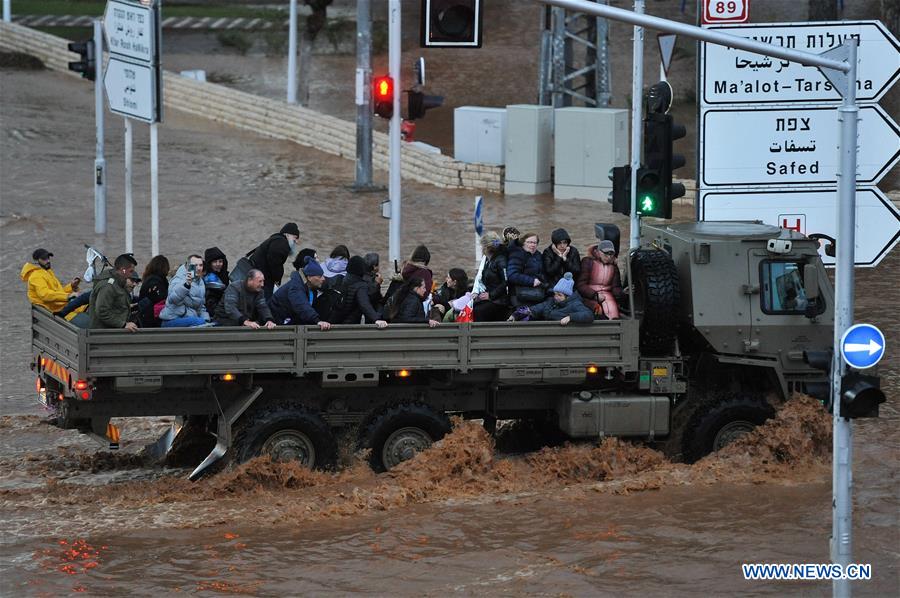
[(226, 418)]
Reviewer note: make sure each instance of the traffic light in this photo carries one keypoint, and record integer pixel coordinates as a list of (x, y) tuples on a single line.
[(651, 194), (660, 133), (418, 103), (860, 395), (87, 66), (620, 196), (451, 23), (383, 96)]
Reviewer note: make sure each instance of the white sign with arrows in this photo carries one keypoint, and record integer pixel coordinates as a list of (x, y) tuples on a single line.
[(813, 211), (733, 76), (131, 89), (130, 30), (778, 146)]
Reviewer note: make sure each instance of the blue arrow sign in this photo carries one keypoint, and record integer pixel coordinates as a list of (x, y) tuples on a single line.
[(862, 346), (479, 220)]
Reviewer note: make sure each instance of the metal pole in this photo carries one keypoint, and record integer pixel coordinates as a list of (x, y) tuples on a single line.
[(292, 55), (99, 159), (7, 10), (154, 190), (637, 92), (363, 94), (394, 186), (129, 198), (841, 522), (707, 35)]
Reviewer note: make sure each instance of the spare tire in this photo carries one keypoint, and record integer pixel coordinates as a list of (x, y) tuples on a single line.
[(656, 298)]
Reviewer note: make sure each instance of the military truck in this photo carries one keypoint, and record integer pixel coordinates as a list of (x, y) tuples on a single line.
[(715, 325)]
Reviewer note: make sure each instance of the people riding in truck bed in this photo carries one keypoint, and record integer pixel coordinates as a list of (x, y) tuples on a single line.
[(560, 257), (46, 290), (215, 277), (111, 298), (525, 272), (564, 306), (154, 290), (244, 303), (406, 305), (292, 303), (270, 256), (599, 283), (186, 300)]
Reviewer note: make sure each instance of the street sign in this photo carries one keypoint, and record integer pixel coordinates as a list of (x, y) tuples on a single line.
[(479, 218), (792, 146), (733, 76), (725, 11), (812, 211), (132, 89), (862, 346), (130, 30), (666, 43)]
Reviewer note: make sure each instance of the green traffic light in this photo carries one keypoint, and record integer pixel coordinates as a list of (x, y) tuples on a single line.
[(647, 204)]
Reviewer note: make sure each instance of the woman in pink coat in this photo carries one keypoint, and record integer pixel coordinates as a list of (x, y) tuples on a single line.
[(599, 282)]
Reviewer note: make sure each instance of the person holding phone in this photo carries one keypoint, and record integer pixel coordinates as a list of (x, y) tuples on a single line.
[(186, 300)]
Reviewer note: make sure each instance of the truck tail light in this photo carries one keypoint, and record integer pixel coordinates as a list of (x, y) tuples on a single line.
[(403, 373), (592, 369), (228, 377), (82, 389)]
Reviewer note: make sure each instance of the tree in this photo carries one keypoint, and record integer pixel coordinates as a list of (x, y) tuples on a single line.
[(823, 10), (314, 24)]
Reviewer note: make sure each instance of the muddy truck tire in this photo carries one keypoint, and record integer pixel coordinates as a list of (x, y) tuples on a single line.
[(398, 432), (719, 421), (284, 432), (656, 296)]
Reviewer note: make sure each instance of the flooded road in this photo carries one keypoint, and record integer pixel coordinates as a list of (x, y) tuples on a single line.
[(461, 519)]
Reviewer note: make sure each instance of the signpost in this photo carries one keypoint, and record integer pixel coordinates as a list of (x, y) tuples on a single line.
[(737, 77), (812, 211), (131, 89), (791, 146), (862, 346)]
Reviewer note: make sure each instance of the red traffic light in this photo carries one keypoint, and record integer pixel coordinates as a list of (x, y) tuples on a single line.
[(383, 96)]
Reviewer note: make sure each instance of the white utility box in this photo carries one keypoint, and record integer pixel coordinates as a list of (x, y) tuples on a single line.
[(529, 149), (479, 134), (589, 142)]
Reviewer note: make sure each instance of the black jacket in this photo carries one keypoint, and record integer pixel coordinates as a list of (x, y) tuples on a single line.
[(214, 295), (292, 304), (355, 302), (412, 311), (493, 277), (270, 257), (556, 267), (239, 305), (523, 267), (154, 289)]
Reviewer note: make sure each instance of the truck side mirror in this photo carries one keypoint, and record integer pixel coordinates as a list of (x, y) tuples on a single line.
[(811, 281)]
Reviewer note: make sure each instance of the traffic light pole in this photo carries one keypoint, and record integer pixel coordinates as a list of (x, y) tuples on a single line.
[(99, 159), (363, 95), (394, 226), (841, 504), (637, 86), (292, 54)]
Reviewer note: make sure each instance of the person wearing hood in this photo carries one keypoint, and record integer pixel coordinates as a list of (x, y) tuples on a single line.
[(215, 277), (186, 300), (600, 283), (336, 264), (356, 303), (564, 306), (45, 289), (270, 257), (560, 257), (111, 298), (292, 303)]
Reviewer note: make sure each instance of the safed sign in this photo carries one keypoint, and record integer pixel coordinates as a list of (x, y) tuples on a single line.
[(777, 146), (132, 80), (130, 30), (733, 76)]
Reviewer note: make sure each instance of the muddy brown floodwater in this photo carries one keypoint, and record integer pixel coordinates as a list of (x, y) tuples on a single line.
[(461, 518)]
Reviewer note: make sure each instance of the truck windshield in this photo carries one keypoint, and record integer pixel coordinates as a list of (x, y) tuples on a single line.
[(782, 287)]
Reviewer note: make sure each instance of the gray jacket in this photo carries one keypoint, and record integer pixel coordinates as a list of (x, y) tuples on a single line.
[(182, 302), (239, 305)]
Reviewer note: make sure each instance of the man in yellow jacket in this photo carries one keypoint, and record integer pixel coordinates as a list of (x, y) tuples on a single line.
[(45, 289)]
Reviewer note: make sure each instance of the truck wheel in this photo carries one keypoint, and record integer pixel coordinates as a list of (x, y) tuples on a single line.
[(397, 433), (719, 423), (285, 433), (656, 297)]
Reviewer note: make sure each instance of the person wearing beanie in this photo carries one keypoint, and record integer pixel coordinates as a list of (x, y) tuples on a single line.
[(564, 306), (491, 302), (45, 289), (600, 283), (560, 257), (269, 257), (293, 303), (417, 267), (356, 303)]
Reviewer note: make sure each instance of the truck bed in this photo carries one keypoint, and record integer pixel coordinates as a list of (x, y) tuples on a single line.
[(300, 350)]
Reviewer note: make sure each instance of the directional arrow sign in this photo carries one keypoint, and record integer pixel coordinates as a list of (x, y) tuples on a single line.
[(771, 146), (733, 76), (862, 346), (812, 211), (132, 89), (130, 31)]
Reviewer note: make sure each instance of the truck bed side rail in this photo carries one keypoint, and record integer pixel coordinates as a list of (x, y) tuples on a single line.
[(56, 338)]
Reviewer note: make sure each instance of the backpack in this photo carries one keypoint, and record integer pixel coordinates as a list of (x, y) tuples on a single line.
[(330, 298)]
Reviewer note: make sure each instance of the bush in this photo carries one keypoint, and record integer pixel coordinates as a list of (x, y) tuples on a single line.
[(235, 39)]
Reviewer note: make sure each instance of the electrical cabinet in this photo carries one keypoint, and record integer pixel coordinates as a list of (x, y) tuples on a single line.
[(479, 134), (589, 142), (529, 149)]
